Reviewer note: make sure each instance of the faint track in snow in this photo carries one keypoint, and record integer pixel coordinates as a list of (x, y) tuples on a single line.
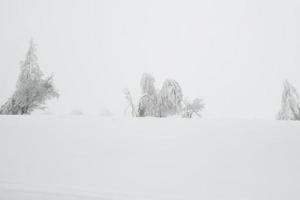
[(17, 191)]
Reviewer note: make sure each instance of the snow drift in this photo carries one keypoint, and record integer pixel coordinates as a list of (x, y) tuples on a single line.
[(68, 158)]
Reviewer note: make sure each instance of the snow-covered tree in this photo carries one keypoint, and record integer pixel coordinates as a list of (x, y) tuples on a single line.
[(130, 103), (148, 106), (148, 102), (32, 89), (191, 108), (170, 98), (147, 84), (9, 107), (290, 103)]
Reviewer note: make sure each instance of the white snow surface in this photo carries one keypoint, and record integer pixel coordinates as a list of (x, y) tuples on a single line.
[(76, 158)]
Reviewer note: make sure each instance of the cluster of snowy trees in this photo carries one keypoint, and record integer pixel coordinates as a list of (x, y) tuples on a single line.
[(164, 102), (32, 88), (169, 101)]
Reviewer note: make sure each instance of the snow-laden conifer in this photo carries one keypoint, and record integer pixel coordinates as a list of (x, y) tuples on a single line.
[(290, 103), (32, 88)]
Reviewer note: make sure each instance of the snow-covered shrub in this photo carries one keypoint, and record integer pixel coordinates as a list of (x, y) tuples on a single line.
[(290, 103), (170, 98), (32, 89), (191, 108), (76, 112)]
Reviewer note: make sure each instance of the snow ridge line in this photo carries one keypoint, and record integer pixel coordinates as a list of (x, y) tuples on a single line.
[(75, 193)]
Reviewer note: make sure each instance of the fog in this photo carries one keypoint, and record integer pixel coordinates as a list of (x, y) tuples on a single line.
[(234, 54)]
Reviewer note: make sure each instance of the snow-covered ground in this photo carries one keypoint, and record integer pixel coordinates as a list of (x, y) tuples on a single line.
[(75, 158)]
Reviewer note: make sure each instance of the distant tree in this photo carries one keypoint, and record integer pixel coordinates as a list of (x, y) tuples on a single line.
[(147, 106), (148, 102), (165, 102), (191, 108), (290, 103), (147, 84), (32, 89), (170, 98), (130, 103)]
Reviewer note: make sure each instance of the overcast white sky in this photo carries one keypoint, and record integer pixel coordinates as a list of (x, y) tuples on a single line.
[(234, 53)]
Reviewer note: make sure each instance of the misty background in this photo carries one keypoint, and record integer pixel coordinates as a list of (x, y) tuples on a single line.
[(234, 54)]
